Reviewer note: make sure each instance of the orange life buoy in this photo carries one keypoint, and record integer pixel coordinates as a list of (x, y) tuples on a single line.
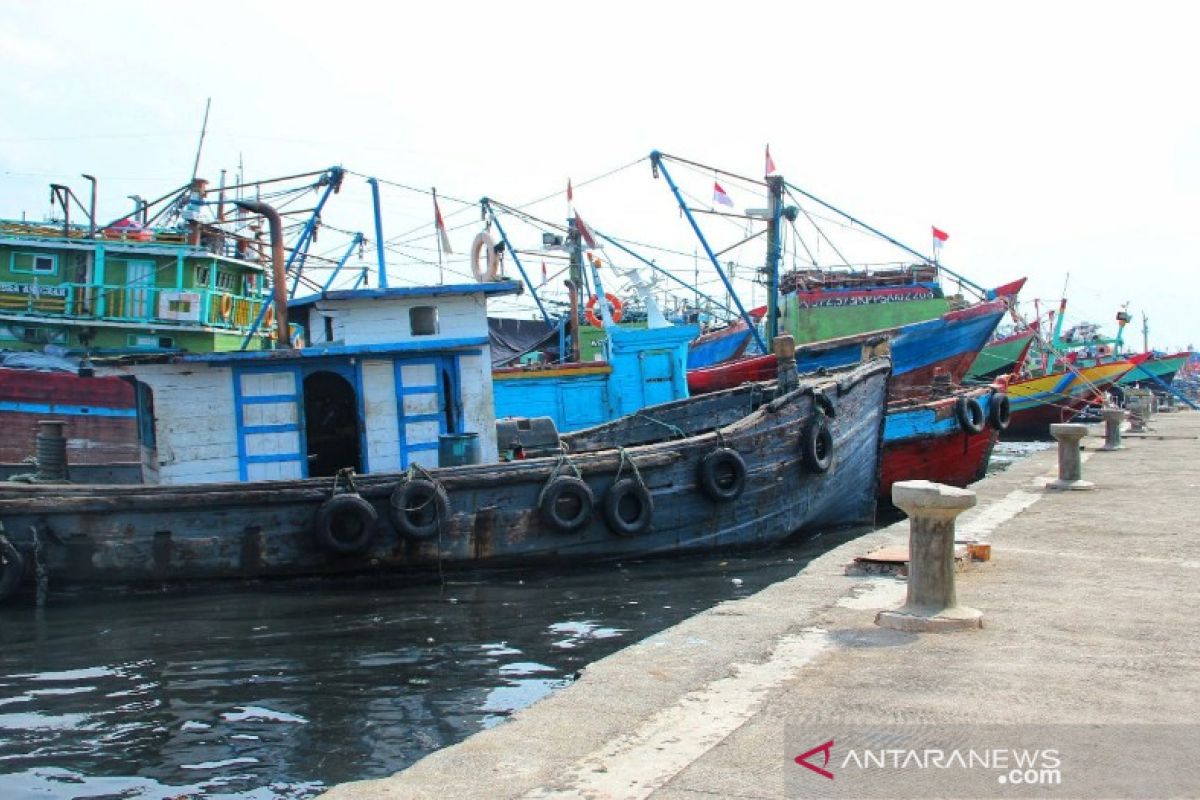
[(616, 310), (226, 306)]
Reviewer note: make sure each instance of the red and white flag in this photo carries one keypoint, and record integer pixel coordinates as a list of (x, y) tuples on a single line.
[(570, 192), (584, 232), (441, 227), (939, 237), (720, 196), (770, 162), (543, 273)]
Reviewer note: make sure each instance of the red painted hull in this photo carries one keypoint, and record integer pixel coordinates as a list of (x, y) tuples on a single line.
[(952, 457), (1037, 421), (101, 424), (957, 460)]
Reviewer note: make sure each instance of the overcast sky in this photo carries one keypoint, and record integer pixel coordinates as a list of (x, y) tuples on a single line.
[(1045, 138)]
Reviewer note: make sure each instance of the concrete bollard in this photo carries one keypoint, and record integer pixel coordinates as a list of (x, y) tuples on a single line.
[(1113, 417), (932, 604), (1137, 418), (1070, 466)]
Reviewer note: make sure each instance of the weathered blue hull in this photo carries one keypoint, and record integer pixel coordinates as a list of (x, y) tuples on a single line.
[(488, 515)]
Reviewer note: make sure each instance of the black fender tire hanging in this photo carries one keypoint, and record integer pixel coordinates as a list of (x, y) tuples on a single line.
[(722, 474), (1000, 411), (345, 524), (628, 507), (566, 504), (970, 414), (12, 568), (816, 445), (419, 509)]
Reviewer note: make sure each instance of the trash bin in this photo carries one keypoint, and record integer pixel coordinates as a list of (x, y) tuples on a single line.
[(457, 449)]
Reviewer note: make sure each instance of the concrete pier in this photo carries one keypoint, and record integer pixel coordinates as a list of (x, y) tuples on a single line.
[(1093, 604)]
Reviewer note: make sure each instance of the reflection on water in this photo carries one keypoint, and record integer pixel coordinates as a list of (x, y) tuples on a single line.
[(280, 689)]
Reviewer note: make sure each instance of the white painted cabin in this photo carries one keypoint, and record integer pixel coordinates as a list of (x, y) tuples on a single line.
[(383, 373)]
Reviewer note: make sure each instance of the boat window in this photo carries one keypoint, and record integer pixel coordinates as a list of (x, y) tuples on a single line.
[(423, 320), (34, 263)]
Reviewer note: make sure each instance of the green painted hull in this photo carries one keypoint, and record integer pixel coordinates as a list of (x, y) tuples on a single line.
[(819, 324), (999, 358), (1161, 368)]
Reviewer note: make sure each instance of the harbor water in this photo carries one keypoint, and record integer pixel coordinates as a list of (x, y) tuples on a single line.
[(279, 689)]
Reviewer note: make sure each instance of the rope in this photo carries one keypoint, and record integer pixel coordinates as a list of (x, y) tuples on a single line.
[(627, 459), (346, 474), (675, 429)]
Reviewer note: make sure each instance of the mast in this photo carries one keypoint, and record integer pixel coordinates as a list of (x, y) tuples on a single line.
[(775, 198), (575, 280)]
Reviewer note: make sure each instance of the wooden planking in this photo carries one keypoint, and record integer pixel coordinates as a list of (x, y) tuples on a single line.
[(375, 322), (479, 408), (379, 404), (194, 422)]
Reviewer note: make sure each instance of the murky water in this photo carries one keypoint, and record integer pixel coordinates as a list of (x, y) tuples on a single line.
[(281, 689), (1006, 453)]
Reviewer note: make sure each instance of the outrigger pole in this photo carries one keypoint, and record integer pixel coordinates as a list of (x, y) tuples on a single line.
[(988, 294), (334, 184), (355, 242), (490, 214), (383, 282), (658, 166), (300, 249)]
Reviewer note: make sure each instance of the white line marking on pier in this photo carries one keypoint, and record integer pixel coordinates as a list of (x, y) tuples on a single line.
[(637, 764)]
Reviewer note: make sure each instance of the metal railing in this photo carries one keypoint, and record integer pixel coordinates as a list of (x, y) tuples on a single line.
[(132, 303)]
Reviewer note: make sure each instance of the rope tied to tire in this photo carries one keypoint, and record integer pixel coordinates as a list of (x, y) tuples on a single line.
[(628, 505), (419, 505), (345, 523), (565, 502)]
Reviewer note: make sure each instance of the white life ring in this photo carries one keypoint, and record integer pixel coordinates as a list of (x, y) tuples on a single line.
[(483, 243)]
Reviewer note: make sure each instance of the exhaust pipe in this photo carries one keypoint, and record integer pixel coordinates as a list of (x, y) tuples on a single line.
[(278, 277)]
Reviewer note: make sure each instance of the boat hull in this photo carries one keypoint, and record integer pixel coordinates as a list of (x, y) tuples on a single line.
[(1001, 357), (947, 345), (926, 441), (100, 416), (237, 530), (1038, 403)]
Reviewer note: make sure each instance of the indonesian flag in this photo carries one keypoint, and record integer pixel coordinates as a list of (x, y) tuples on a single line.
[(543, 273), (770, 162), (584, 232), (441, 227), (570, 192), (719, 196), (939, 236)]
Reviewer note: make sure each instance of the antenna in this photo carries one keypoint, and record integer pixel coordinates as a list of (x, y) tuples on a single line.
[(200, 146)]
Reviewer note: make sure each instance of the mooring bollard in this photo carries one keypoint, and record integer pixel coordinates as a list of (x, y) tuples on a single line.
[(1113, 417), (1137, 418), (785, 357), (932, 604), (1070, 466), (51, 451)]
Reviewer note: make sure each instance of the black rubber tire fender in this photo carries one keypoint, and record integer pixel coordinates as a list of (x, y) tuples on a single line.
[(345, 524), (12, 568), (566, 504), (628, 507), (969, 413), (816, 445), (1000, 411), (722, 474), (419, 509)]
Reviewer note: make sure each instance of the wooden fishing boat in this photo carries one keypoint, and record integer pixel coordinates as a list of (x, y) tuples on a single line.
[(1039, 402), (919, 350), (946, 436), (750, 466), (1001, 356)]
